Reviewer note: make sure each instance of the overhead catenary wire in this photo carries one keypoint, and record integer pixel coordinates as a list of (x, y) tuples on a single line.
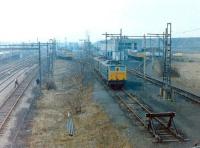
[(187, 31)]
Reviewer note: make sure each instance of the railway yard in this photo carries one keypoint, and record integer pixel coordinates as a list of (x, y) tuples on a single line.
[(100, 74), (35, 114)]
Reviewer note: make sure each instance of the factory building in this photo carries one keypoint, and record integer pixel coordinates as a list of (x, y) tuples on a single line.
[(117, 48)]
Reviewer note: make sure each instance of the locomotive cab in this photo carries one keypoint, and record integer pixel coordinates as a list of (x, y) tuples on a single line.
[(112, 72), (117, 75)]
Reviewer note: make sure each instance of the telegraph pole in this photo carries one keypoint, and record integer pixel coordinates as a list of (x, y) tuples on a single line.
[(52, 50), (106, 44), (163, 44), (166, 91), (159, 47), (40, 68), (53, 55), (144, 65), (167, 64), (120, 45), (48, 60), (152, 53), (110, 35)]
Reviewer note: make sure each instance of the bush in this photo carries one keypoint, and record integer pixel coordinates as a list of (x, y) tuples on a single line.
[(175, 72), (50, 85), (160, 68)]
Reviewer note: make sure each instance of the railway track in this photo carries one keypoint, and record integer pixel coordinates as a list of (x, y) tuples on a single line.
[(12, 64), (10, 80), (186, 94), (9, 105), (160, 125), (13, 68), (15, 73)]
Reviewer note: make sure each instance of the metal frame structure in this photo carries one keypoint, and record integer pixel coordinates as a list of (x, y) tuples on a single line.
[(166, 91), (167, 61), (132, 36), (111, 35), (166, 37), (51, 52), (157, 131)]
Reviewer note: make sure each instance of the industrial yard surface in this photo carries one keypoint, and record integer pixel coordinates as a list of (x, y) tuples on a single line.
[(93, 128), (100, 74), (98, 119)]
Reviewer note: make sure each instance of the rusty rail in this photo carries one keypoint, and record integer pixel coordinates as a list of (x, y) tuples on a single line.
[(186, 94), (155, 123), (12, 68), (9, 105), (162, 131)]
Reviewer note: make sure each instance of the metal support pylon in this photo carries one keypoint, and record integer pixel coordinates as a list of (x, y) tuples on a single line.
[(167, 63)]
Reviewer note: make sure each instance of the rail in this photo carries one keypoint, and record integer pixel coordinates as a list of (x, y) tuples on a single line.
[(188, 95), (14, 67), (160, 125), (8, 106)]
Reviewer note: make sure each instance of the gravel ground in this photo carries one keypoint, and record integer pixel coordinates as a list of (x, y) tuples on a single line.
[(47, 125), (16, 120), (187, 114)]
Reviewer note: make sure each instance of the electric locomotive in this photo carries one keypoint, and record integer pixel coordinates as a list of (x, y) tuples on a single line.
[(112, 72)]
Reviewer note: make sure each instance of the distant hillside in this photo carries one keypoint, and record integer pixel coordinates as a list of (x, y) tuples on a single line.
[(178, 44), (188, 44)]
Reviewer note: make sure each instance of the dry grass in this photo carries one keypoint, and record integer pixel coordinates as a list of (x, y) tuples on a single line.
[(93, 127), (159, 67), (185, 72), (190, 76)]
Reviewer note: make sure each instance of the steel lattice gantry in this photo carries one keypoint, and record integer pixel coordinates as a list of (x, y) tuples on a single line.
[(167, 62)]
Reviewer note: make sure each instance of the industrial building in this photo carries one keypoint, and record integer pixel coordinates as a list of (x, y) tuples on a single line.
[(117, 48)]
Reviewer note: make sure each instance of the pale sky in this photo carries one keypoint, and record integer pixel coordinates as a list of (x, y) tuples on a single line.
[(24, 20)]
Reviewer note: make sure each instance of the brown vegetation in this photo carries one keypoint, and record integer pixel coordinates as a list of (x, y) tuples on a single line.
[(92, 126), (159, 67)]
